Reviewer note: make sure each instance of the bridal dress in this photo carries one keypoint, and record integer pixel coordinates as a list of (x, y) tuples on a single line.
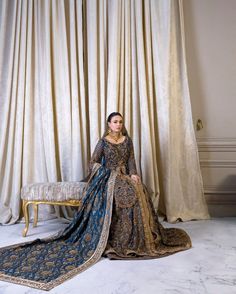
[(116, 220)]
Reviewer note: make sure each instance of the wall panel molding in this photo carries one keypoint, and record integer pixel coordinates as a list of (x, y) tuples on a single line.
[(213, 163), (223, 189), (219, 195), (216, 144), (216, 199)]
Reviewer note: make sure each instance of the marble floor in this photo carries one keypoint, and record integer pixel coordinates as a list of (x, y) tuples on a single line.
[(207, 268)]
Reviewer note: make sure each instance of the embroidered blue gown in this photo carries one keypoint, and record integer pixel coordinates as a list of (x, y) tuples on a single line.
[(116, 220)]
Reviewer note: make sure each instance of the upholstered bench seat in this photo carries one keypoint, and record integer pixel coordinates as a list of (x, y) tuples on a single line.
[(58, 193)]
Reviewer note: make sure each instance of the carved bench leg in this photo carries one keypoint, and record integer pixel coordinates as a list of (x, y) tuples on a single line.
[(35, 205), (35, 215), (26, 216)]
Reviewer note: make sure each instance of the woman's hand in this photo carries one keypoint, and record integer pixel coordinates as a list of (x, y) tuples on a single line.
[(136, 179)]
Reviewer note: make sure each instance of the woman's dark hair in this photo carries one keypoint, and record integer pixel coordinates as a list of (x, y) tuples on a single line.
[(111, 115)]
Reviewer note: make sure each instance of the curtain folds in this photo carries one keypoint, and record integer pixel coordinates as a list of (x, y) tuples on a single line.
[(65, 65)]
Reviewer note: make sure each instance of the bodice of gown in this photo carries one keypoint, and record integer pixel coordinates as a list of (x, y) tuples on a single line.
[(115, 156)]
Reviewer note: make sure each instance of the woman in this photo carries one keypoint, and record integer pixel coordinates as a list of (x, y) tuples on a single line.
[(134, 231), (116, 219)]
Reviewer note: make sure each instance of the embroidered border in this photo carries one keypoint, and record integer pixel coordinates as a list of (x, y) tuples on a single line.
[(92, 260)]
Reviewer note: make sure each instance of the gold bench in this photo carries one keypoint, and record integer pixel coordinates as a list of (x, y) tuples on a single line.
[(58, 193)]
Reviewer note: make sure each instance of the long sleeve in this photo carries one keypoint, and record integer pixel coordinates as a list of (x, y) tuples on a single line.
[(131, 160), (97, 154)]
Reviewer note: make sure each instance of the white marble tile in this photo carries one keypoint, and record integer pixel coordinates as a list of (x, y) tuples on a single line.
[(207, 268)]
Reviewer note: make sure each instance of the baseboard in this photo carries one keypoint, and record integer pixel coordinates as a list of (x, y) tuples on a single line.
[(220, 194), (222, 210), (221, 203)]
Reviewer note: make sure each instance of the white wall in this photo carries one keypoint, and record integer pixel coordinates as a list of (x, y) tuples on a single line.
[(210, 28)]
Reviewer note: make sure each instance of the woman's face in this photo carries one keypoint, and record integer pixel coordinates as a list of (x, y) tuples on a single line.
[(116, 124)]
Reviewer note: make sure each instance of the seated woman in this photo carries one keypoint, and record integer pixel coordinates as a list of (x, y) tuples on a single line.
[(134, 231), (116, 220)]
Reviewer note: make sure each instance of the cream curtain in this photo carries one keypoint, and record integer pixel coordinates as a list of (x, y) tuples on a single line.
[(65, 65)]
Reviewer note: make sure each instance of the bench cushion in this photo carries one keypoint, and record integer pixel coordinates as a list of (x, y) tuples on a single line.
[(58, 191)]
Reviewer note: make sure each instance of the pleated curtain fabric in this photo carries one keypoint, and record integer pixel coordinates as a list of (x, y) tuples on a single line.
[(65, 65)]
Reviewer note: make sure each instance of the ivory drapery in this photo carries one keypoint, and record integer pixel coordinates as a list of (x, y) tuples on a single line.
[(65, 65)]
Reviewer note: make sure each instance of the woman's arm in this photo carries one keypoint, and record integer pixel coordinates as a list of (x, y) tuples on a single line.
[(131, 160), (97, 155), (132, 164)]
